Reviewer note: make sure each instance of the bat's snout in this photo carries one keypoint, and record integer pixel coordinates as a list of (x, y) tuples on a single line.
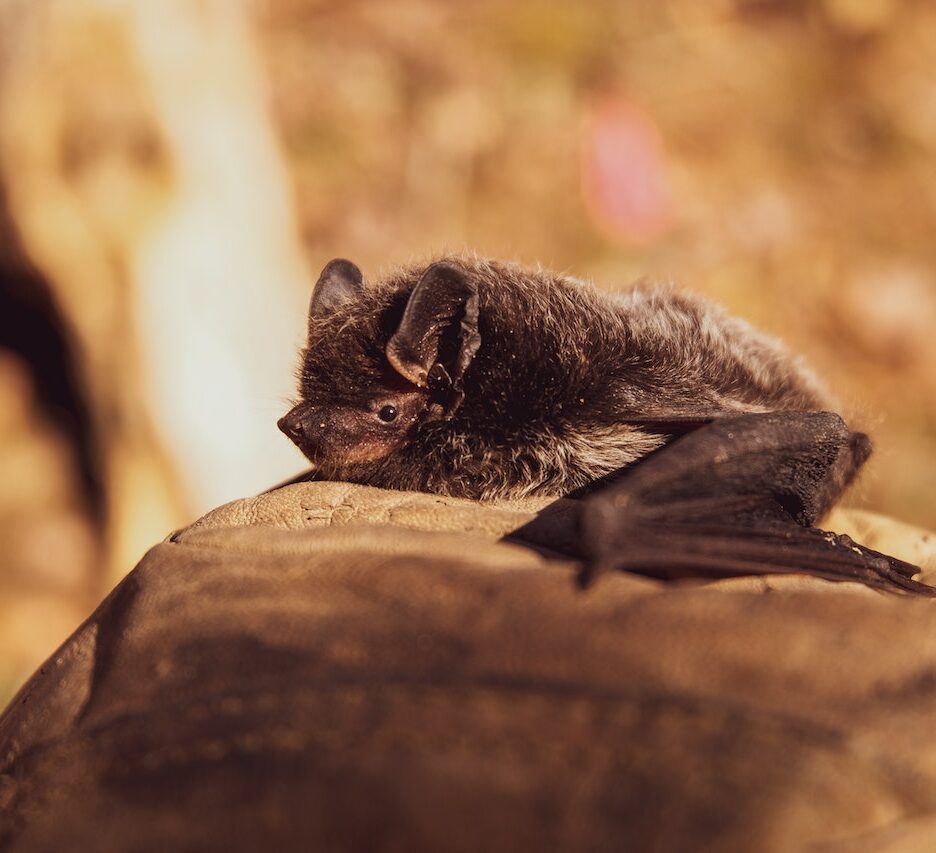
[(292, 427)]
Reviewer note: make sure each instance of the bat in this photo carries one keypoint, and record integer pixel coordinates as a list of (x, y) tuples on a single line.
[(700, 446)]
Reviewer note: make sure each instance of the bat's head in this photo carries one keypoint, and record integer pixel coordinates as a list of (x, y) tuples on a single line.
[(380, 363)]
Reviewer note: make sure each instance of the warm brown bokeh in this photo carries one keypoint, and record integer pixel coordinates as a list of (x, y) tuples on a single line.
[(777, 156)]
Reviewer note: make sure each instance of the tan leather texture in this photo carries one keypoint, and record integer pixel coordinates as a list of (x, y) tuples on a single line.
[(332, 667)]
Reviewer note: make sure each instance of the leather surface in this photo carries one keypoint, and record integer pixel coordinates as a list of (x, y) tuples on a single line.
[(333, 667)]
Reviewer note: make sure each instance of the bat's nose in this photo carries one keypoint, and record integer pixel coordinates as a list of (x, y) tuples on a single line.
[(291, 425)]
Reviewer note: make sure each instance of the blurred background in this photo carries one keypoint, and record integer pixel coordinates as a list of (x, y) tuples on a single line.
[(174, 173)]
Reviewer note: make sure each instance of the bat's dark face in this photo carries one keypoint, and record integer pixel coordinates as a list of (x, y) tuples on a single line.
[(363, 422), (356, 408)]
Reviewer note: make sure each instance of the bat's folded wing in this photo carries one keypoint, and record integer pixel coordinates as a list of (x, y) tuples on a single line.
[(739, 497)]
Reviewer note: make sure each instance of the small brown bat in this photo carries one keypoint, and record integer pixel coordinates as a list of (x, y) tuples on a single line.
[(483, 379)]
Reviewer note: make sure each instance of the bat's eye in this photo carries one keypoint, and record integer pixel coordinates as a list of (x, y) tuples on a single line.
[(388, 413)]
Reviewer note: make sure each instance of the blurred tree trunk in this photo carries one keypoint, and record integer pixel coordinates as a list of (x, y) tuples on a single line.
[(145, 184), (86, 172)]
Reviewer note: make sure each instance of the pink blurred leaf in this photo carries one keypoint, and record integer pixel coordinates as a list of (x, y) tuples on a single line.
[(624, 180)]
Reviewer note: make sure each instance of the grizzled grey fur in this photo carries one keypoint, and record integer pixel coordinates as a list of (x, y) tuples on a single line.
[(507, 381)]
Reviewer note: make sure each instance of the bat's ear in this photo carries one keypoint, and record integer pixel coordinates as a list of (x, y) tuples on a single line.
[(340, 282), (438, 335)]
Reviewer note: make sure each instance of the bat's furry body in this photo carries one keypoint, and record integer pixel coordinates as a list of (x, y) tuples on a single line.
[(482, 379), (558, 389)]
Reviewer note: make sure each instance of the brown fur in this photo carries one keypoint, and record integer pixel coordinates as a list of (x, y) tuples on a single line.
[(561, 370)]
